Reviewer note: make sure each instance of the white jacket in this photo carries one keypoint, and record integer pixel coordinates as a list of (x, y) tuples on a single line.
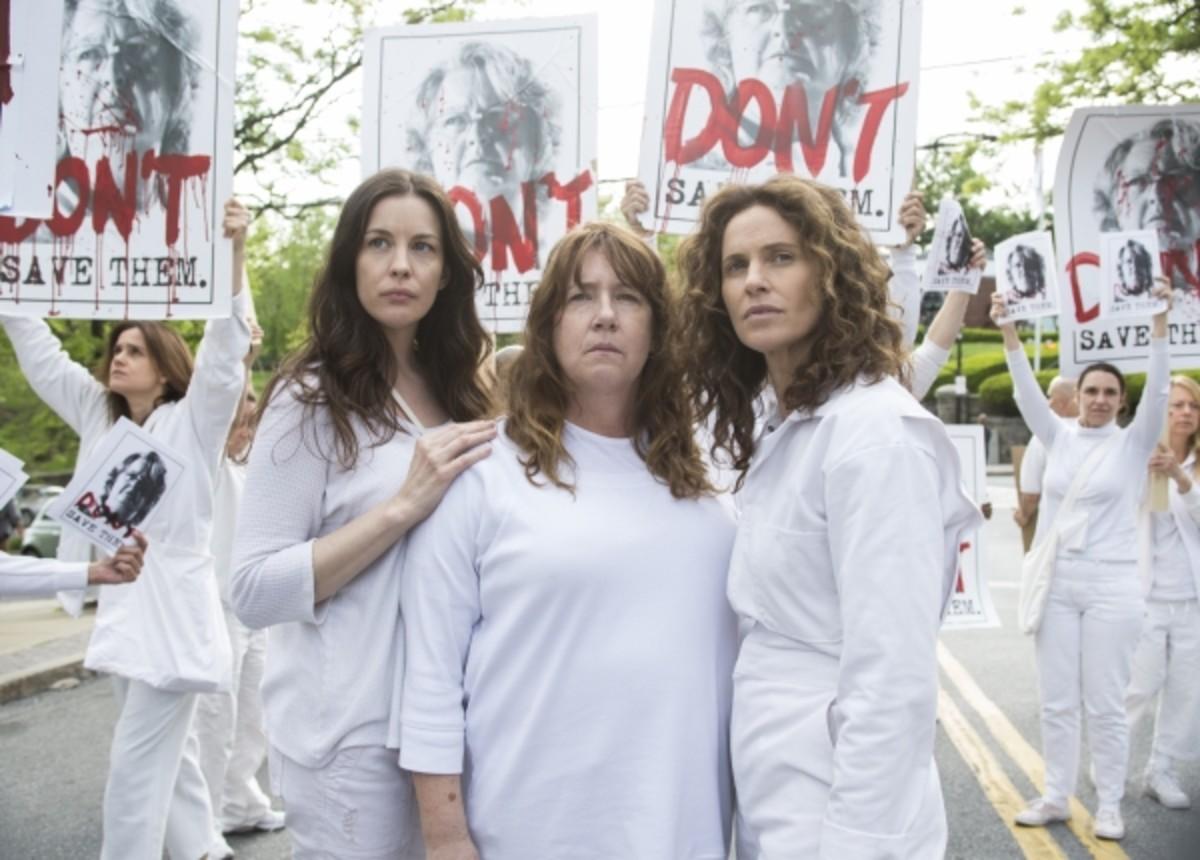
[(166, 629), (848, 546)]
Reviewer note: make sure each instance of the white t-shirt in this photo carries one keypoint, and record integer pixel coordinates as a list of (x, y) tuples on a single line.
[(572, 657)]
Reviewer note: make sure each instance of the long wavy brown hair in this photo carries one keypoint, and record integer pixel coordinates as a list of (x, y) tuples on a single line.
[(347, 366), (854, 337), (169, 354), (540, 392)]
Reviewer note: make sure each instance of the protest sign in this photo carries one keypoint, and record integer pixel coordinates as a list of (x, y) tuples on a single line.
[(12, 477), (738, 92), (1121, 169), (971, 601), (143, 150), (1025, 275), (120, 486), (29, 49), (1129, 263), (948, 266), (503, 115)]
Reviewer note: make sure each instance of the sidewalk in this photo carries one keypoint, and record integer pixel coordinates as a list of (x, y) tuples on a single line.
[(39, 645)]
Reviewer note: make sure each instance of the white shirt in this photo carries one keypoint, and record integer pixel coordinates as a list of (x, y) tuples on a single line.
[(333, 666), (1103, 525), (1033, 467), (905, 289), (174, 600), (227, 502), (1169, 543), (24, 576), (572, 656), (847, 546)]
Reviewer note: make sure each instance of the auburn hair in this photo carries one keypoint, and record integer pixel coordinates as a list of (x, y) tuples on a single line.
[(855, 336), (168, 353), (347, 366), (539, 392)]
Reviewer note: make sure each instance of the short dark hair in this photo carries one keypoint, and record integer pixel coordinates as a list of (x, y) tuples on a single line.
[(1103, 367)]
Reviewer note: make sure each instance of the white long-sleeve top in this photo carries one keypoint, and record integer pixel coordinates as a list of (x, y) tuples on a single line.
[(572, 657), (195, 427), (905, 289), (23, 576), (847, 545), (333, 666), (1103, 525), (1169, 543), (227, 503)]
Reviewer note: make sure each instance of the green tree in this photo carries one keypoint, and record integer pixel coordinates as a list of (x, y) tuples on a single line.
[(1140, 52)]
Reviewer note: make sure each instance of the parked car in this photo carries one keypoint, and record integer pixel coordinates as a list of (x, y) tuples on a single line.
[(31, 497), (41, 536)]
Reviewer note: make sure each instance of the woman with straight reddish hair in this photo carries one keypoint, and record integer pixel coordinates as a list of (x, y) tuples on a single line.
[(569, 643), (162, 637), (851, 515), (359, 434)]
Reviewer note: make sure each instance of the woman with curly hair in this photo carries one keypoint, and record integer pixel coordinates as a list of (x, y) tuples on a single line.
[(568, 639), (341, 469), (852, 509)]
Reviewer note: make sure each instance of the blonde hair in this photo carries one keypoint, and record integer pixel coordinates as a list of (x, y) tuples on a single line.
[(1192, 387)]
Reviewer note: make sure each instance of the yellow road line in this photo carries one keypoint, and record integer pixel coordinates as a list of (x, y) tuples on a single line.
[(1035, 843), (1021, 752)]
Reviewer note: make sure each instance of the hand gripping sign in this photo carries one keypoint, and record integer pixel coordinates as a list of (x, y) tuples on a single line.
[(740, 90)]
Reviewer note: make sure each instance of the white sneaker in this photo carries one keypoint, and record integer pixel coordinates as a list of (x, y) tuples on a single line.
[(1108, 823), (272, 819), (1041, 812), (1162, 786)]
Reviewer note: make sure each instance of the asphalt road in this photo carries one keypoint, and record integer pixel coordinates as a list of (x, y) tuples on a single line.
[(54, 749)]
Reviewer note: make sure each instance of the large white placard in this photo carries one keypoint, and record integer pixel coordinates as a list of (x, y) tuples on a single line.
[(739, 91), (1123, 169), (119, 488), (144, 163), (503, 115), (971, 602), (29, 49)]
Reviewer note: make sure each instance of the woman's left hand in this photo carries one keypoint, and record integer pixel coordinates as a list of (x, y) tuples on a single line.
[(236, 223), (1163, 462)]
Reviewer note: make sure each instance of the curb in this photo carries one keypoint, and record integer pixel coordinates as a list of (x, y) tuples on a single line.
[(37, 679)]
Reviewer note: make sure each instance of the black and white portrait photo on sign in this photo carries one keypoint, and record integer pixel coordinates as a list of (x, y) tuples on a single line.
[(29, 49), (948, 266), (1025, 275), (740, 90), (143, 149), (120, 486), (1130, 263), (12, 477), (1121, 169), (502, 115)]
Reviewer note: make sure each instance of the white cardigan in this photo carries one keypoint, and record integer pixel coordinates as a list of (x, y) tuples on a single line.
[(196, 427)]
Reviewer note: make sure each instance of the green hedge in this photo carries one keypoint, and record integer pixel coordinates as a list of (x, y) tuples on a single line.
[(979, 368), (996, 392)]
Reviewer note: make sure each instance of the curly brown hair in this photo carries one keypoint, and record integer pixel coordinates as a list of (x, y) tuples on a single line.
[(347, 365), (540, 392), (855, 336)]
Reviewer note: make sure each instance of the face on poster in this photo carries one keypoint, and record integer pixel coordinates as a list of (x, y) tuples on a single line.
[(971, 599), (1025, 275), (30, 40), (502, 115), (1124, 169), (949, 255), (143, 150), (12, 477), (120, 487), (1130, 263), (740, 90)]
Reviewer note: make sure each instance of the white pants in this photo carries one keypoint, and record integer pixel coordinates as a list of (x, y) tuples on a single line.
[(783, 753), (1167, 661), (229, 730), (155, 792), (1084, 653), (360, 806)]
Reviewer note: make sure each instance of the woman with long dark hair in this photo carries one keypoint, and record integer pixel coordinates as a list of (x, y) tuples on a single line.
[(1092, 616), (852, 510), (162, 637), (569, 641), (343, 465)]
